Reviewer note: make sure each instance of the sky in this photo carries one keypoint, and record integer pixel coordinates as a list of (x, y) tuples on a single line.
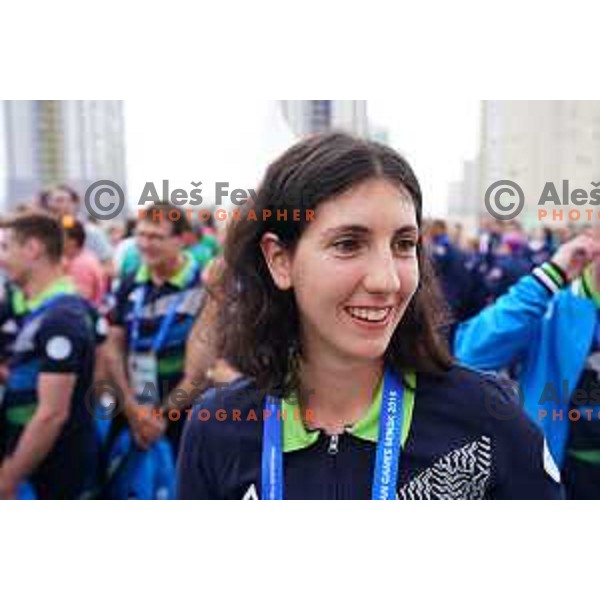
[(205, 139), (233, 139), (436, 136)]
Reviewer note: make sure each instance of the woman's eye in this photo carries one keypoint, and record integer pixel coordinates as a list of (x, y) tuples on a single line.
[(346, 245), (405, 245)]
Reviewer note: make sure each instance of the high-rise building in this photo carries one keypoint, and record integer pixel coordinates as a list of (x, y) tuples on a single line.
[(464, 200), (533, 142), (48, 142), (312, 116)]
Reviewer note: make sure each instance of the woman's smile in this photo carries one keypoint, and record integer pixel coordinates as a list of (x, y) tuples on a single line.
[(371, 318)]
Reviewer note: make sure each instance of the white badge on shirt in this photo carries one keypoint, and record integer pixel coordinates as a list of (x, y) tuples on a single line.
[(143, 376)]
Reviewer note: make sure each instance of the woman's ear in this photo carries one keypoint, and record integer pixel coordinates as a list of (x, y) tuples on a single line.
[(278, 260)]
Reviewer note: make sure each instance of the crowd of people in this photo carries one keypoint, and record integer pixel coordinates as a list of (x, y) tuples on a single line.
[(154, 358), (84, 308)]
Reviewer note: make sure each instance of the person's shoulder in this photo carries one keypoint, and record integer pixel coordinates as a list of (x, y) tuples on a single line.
[(68, 331), (459, 376), (71, 312), (471, 391), (126, 284), (70, 302), (229, 410), (119, 298), (241, 394), (489, 402)]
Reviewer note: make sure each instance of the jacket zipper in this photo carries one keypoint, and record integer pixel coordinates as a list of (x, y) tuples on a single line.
[(333, 444), (332, 450)]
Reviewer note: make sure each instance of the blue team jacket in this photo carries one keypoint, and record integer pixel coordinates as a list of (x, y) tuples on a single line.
[(136, 474), (549, 330)]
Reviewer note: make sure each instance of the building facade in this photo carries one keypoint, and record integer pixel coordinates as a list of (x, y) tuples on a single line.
[(49, 142), (535, 142), (313, 116)]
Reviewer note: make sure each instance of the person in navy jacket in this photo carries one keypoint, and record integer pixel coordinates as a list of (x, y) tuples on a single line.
[(348, 390)]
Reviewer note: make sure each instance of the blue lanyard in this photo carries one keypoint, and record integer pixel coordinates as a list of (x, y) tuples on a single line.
[(166, 322), (389, 446), (272, 454)]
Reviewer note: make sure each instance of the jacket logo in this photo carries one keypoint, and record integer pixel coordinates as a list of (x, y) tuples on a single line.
[(250, 493), (460, 474), (10, 327)]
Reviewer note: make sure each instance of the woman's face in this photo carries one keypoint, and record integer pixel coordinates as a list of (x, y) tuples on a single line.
[(353, 271)]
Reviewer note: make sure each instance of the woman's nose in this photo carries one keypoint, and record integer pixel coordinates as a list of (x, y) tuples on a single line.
[(382, 274)]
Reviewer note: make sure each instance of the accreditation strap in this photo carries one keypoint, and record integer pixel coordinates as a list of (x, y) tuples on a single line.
[(395, 420), (166, 322)]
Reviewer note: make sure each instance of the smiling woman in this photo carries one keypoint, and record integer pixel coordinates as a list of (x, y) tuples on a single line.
[(341, 314)]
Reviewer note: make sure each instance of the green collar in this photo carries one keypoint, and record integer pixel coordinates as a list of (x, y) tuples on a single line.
[(19, 302), (179, 279), (297, 437), (61, 286), (588, 288)]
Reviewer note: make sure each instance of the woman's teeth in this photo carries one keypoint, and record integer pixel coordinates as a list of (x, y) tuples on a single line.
[(372, 315)]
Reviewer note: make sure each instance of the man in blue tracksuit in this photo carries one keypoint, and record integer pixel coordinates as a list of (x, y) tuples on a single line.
[(548, 323)]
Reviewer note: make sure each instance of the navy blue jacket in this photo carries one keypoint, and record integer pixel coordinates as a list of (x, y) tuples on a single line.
[(469, 439)]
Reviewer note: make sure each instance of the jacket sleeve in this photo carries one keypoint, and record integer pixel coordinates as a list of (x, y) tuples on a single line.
[(502, 332), (522, 467)]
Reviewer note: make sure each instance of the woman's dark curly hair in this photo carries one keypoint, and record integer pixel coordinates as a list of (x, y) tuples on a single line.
[(258, 324)]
